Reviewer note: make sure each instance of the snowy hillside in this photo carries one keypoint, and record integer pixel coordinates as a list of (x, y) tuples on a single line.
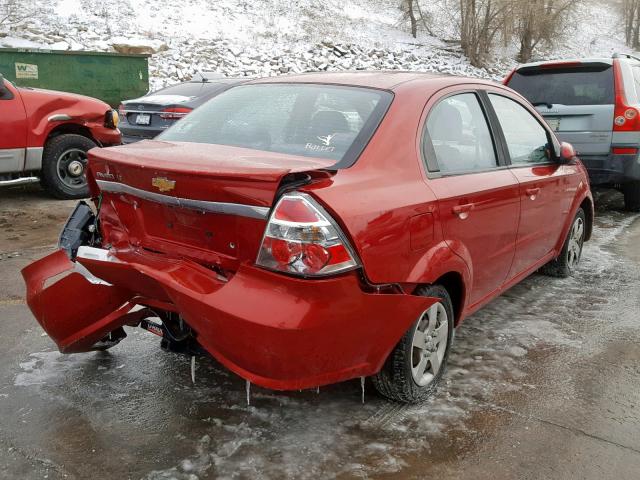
[(270, 37)]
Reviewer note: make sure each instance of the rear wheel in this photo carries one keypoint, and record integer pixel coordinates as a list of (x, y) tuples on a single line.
[(565, 264), (64, 164), (417, 363), (631, 192)]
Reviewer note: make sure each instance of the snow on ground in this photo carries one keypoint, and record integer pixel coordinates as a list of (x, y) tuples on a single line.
[(271, 37)]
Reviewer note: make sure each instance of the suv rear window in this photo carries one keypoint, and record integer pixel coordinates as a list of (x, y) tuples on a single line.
[(311, 120), (566, 86)]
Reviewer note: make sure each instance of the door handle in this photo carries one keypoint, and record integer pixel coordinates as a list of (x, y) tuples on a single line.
[(532, 192), (463, 210)]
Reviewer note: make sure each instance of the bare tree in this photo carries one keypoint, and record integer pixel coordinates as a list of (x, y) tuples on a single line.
[(479, 25), (13, 12), (407, 7), (538, 21), (631, 16), (483, 23)]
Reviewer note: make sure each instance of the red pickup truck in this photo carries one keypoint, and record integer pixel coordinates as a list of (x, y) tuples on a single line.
[(45, 136)]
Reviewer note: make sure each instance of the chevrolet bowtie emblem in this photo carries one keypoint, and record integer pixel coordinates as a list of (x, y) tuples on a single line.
[(163, 184)]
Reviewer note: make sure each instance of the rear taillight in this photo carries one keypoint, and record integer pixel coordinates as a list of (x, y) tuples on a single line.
[(301, 238), (624, 151), (174, 113), (626, 118)]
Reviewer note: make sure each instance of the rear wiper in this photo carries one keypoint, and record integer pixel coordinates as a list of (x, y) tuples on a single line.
[(546, 104)]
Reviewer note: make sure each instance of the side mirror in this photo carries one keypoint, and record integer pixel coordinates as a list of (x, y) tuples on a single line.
[(567, 153)]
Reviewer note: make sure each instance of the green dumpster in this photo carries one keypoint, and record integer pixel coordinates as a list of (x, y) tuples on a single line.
[(111, 77)]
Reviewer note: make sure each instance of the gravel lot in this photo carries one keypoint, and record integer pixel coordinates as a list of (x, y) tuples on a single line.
[(543, 383)]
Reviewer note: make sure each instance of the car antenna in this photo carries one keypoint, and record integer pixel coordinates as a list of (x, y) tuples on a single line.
[(203, 79)]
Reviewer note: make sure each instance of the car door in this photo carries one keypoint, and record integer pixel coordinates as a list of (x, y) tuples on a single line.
[(478, 196), (544, 183), (13, 129)]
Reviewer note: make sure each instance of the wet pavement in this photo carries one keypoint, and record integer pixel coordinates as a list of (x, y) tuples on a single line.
[(544, 382)]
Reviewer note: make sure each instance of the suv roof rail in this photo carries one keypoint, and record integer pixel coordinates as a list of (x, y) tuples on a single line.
[(627, 55)]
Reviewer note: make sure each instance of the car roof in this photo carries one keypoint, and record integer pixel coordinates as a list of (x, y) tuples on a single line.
[(386, 80)]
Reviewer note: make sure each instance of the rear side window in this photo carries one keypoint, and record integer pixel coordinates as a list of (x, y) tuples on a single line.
[(311, 120), (458, 131), (526, 139), (566, 86)]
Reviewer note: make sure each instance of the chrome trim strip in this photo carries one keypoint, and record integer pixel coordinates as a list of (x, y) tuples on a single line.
[(18, 181), (33, 160), (238, 209), (59, 117), (157, 112)]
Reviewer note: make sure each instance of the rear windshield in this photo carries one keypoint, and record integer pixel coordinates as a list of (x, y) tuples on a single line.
[(584, 86), (311, 120)]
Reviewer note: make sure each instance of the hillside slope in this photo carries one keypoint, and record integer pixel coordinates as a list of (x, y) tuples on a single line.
[(267, 37)]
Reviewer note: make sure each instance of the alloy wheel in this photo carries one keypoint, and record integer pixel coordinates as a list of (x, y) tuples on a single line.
[(576, 239), (429, 344)]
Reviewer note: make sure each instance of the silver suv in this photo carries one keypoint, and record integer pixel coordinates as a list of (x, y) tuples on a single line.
[(593, 104)]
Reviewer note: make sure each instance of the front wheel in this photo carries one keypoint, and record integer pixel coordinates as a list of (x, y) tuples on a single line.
[(565, 264), (417, 363), (64, 164)]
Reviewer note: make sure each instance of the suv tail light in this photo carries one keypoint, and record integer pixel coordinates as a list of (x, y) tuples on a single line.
[(174, 113), (302, 239), (626, 118)]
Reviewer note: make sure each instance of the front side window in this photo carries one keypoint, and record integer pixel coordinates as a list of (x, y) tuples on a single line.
[(311, 120), (458, 131), (526, 139)]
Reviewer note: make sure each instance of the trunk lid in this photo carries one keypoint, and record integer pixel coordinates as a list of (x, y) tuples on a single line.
[(575, 98), (589, 128), (207, 202)]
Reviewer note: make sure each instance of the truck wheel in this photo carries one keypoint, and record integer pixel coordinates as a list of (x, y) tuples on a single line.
[(631, 193), (415, 366), (64, 164), (565, 264)]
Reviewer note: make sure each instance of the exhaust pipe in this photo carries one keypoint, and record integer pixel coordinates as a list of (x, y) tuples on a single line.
[(18, 181)]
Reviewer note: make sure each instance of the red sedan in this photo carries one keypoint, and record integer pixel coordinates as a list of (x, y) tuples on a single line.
[(310, 229)]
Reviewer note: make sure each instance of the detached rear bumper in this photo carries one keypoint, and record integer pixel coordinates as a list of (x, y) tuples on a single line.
[(277, 331)]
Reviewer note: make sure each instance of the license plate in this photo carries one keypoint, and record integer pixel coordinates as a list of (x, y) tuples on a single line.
[(554, 123), (143, 119)]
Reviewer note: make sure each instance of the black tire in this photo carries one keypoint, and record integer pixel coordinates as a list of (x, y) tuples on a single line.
[(631, 192), (564, 265), (58, 181), (396, 379)]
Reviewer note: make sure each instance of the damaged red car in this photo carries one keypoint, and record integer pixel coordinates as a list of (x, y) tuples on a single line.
[(306, 230)]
